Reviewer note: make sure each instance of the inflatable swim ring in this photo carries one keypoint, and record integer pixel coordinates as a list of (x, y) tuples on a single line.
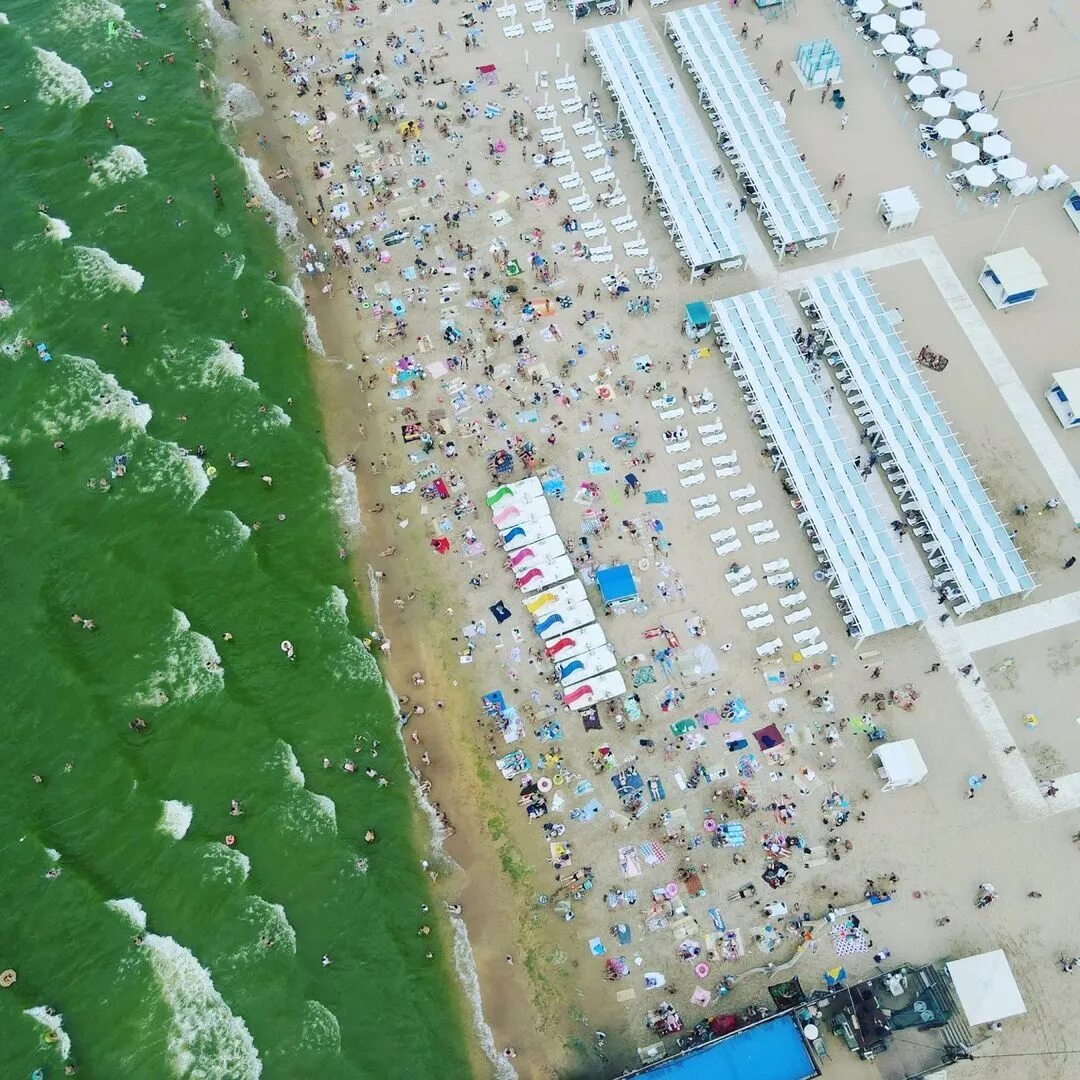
[(543, 785), (7, 977), (702, 970)]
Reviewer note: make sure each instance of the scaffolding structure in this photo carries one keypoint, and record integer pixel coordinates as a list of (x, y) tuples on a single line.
[(818, 63)]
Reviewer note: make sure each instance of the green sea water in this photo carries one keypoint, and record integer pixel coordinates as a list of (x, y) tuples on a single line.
[(167, 559)]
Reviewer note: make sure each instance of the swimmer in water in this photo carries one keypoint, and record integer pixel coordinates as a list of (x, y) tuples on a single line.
[(234, 808)]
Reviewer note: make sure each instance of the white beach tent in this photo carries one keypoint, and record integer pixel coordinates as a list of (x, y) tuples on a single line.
[(985, 987), (901, 764)]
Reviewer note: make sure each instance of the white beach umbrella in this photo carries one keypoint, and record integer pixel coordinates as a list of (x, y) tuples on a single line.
[(883, 24), (997, 146), (901, 4), (953, 79), (1011, 168), (964, 152), (982, 122), (869, 7), (909, 65), (965, 100), (938, 59), (980, 176), (950, 128), (913, 18), (925, 38), (936, 107), (922, 86), (895, 44)]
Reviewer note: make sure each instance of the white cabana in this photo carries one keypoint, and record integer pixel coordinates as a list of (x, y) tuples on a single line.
[(1064, 396), (913, 18), (869, 7), (898, 209), (986, 988), (909, 65), (981, 176), (936, 107), (1011, 168), (1026, 185), (964, 152), (1071, 206), (950, 128), (895, 44), (997, 146), (922, 85), (901, 764), (963, 100), (982, 122), (925, 38), (1011, 278), (953, 79), (938, 59), (883, 24)]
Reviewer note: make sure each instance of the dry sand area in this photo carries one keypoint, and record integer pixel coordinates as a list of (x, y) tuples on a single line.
[(939, 843)]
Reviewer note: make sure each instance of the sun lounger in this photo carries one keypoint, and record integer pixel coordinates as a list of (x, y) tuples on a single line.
[(759, 527), (705, 409), (594, 150), (580, 204), (775, 566), (722, 535), (729, 472), (707, 512), (760, 624), (714, 440), (770, 647), (750, 507), (747, 492), (692, 481), (570, 181), (780, 579), (766, 537), (729, 547), (543, 26), (724, 459), (703, 500), (677, 448), (691, 466), (507, 11), (744, 587), (514, 30), (566, 83), (798, 616), (755, 611), (794, 600), (571, 105), (584, 128), (814, 650), (672, 414), (710, 429), (603, 175), (733, 577), (545, 113), (805, 637)]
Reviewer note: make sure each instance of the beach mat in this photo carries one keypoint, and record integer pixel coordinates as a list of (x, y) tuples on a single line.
[(657, 496)]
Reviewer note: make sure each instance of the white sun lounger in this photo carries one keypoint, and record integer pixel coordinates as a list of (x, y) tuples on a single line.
[(710, 429), (750, 507), (714, 440), (760, 624), (691, 466), (594, 150), (624, 223), (664, 402), (543, 26), (798, 616), (754, 611), (566, 83), (704, 410), (672, 414), (747, 492), (603, 175), (514, 30), (724, 459), (814, 650), (552, 134), (507, 11), (770, 647), (729, 547), (571, 105), (729, 472), (766, 537), (775, 566), (692, 481), (563, 160), (744, 587), (545, 113), (707, 512), (780, 579), (584, 128), (794, 600), (722, 535), (677, 448), (735, 576), (805, 637), (580, 204), (759, 526), (570, 181), (703, 500)]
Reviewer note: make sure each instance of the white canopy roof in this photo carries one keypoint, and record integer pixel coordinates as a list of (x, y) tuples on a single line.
[(1069, 381), (985, 987), (902, 762), (1016, 270)]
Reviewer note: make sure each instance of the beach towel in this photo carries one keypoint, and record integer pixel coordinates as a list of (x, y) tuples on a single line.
[(590, 720), (596, 947), (583, 787), (622, 932), (500, 611), (586, 812), (717, 921), (847, 940), (640, 676), (629, 863), (658, 496), (682, 727), (653, 853)]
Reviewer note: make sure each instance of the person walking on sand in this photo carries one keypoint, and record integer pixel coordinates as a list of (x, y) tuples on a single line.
[(843, 121), (974, 783)]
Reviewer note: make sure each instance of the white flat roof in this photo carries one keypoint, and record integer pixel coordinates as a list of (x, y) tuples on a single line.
[(1016, 270), (986, 988), (1069, 381)]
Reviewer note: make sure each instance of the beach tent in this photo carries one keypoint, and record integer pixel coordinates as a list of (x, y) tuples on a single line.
[(1064, 397), (616, 584), (901, 764), (898, 208), (1010, 278), (985, 987)]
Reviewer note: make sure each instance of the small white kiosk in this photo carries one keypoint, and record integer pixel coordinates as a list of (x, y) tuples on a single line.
[(898, 209), (1064, 397), (901, 764), (1072, 204), (1011, 278)]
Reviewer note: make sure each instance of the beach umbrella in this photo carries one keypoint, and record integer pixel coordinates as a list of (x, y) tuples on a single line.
[(938, 59), (901, 4), (936, 107), (909, 65), (980, 176), (966, 101), (997, 146), (869, 7), (1011, 168), (913, 18), (883, 24), (983, 122), (953, 79), (922, 86), (895, 44), (925, 38), (950, 128), (834, 976), (964, 152)]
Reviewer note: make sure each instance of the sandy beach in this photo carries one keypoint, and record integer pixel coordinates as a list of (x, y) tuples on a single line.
[(464, 185)]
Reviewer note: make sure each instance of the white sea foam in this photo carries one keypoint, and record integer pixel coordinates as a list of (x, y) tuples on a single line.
[(52, 854), (56, 228), (175, 818), (131, 909), (60, 83), (357, 663), (76, 14), (6, 311), (306, 811), (101, 273), (224, 363), (53, 1022), (235, 528), (119, 164), (465, 966), (227, 864), (5, 468), (286, 225), (3, 19), (311, 336), (163, 464), (238, 104), (272, 922), (238, 265), (276, 416), (219, 26), (321, 1031), (339, 602), (192, 667), (346, 497)]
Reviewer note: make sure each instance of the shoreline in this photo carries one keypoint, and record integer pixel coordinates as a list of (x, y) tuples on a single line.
[(493, 996)]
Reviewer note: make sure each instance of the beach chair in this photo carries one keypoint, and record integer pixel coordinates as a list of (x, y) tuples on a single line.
[(707, 512), (710, 429), (601, 254), (552, 134), (584, 128), (677, 448), (572, 105), (543, 26), (592, 229), (534, 7), (672, 414), (721, 460), (747, 492), (794, 600), (702, 501), (624, 223), (613, 198), (760, 624), (570, 181), (798, 616), (594, 150), (545, 113), (692, 481), (759, 527), (566, 83), (603, 175), (728, 472), (733, 577), (806, 637), (580, 204), (744, 587), (780, 579), (815, 650), (514, 30), (563, 159), (714, 440), (507, 11), (775, 566), (636, 249), (691, 466), (766, 537), (770, 647), (722, 535), (755, 611), (729, 547)]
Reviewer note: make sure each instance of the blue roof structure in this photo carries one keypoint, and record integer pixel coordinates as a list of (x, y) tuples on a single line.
[(616, 583), (771, 1050)]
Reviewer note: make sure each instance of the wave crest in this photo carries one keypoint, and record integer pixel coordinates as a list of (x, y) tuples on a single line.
[(60, 83)]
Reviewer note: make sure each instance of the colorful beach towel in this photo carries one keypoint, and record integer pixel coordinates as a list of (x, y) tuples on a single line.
[(657, 496)]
